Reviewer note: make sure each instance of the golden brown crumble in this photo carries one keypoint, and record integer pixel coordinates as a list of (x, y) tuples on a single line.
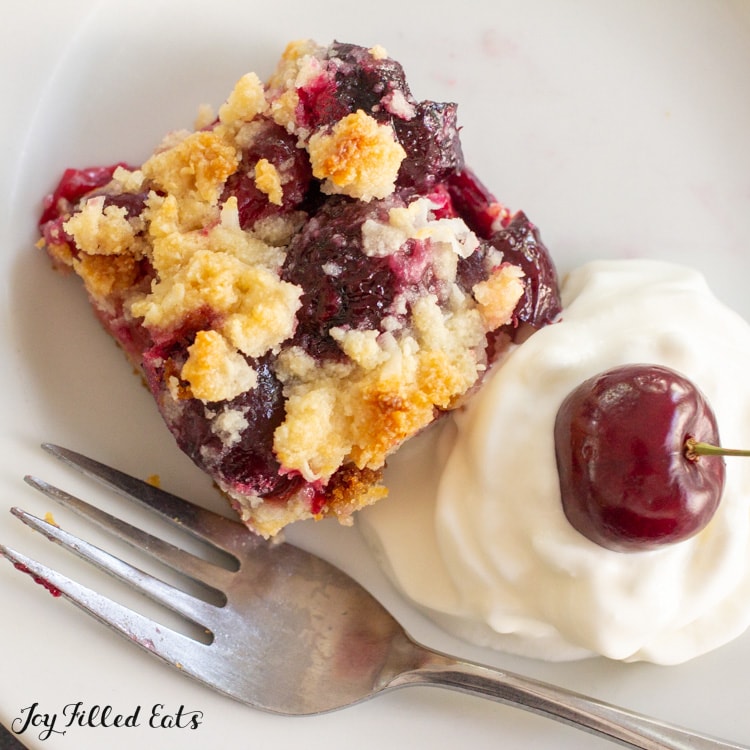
[(215, 370), (359, 157), (199, 164), (498, 295), (268, 181), (105, 277)]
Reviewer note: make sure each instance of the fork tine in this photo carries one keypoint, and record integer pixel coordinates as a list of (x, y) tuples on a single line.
[(196, 610), (169, 645), (204, 524), (167, 553)]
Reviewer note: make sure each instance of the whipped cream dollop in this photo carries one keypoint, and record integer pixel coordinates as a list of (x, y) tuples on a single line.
[(474, 532)]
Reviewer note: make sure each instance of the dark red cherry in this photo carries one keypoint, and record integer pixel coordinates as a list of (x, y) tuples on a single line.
[(74, 184), (630, 474)]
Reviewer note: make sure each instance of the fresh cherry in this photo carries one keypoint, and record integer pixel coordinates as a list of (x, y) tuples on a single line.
[(638, 458)]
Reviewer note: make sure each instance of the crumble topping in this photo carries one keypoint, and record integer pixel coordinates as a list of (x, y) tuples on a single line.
[(247, 100), (397, 104), (498, 296), (215, 370), (129, 181), (362, 347), (256, 308), (378, 52), (106, 276), (416, 222), (359, 157), (102, 230), (229, 425), (197, 166), (300, 63), (362, 413), (205, 117), (223, 269), (268, 181)]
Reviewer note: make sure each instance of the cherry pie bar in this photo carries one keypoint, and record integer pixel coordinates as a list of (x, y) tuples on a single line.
[(306, 280)]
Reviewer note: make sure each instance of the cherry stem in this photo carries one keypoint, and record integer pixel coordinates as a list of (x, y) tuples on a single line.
[(693, 449)]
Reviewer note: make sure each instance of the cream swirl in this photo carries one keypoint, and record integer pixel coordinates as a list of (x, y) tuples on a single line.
[(483, 545)]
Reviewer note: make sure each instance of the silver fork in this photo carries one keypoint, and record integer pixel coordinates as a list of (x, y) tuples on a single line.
[(295, 635)]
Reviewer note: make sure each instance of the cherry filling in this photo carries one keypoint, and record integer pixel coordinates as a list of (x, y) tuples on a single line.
[(133, 203), (517, 239), (431, 141), (74, 185), (277, 147), (351, 79), (522, 246), (249, 462), (341, 286), (475, 203)]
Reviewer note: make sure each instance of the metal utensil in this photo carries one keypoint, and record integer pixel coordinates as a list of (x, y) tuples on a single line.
[(291, 634)]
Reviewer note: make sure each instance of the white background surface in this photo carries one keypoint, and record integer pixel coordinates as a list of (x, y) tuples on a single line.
[(621, 128)]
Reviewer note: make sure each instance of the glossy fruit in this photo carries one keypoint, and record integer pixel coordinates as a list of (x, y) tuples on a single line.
[(630, 478), (278, 148), (74, 184), (520, 243)]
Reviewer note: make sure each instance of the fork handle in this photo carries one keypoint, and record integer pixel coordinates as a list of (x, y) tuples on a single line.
[(616, 724)]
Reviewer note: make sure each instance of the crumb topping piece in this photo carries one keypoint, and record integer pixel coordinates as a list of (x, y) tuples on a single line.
[(196, 167), (228, 424), (215, 370), (268, 181), (107, 276), (102, 230), (246, 101), (256, 309), (378, 52), (499, 294), (449, 238), (359, 157), (299, 63)]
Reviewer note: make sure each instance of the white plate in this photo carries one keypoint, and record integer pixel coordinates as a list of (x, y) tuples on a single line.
[(621, 128)]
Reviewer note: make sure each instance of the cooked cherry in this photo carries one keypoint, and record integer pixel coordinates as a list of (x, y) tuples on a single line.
[(279, 148), (522, 246), (520, 243), (431, 141), (248, 463), (353, 79), (133, 203), (630, 477), (73, 185), (340, 288), (474, 201)]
